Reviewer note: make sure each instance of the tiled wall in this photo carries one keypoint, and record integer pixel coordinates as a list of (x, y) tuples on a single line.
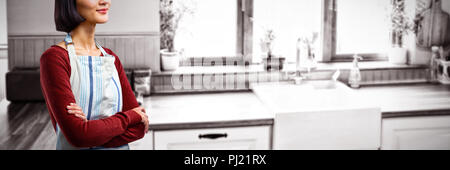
[(241, 80), (211, 81), (135, 50), (394, 76)]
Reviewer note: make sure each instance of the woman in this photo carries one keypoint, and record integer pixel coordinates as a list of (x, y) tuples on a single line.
[(88, 95)]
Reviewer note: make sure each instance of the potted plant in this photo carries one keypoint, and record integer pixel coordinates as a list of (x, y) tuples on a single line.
[(270, 60), (170, 15), (400, 26)]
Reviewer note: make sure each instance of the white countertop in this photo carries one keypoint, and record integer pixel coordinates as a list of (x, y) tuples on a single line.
[(389, 98), (407, 98), (180, 111)]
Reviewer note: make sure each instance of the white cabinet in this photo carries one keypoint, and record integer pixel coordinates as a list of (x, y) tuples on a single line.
[(430, 132), (235, 138), (146, 143)]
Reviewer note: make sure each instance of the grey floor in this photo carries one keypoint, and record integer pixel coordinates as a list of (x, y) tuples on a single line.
[(25, 126)]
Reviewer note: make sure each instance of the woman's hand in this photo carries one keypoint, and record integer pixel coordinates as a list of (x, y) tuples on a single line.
[(141, 112), (76, 110)]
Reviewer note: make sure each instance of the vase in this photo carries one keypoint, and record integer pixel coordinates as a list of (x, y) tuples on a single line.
[(169, 60), (397, 55)]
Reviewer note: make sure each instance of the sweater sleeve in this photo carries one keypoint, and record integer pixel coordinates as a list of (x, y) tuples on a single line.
[(134, 132), (55, 84)]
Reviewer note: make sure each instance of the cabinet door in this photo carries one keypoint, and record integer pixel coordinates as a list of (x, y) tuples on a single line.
[(238, 138), (353, 129), (430, 132), (146, 143)]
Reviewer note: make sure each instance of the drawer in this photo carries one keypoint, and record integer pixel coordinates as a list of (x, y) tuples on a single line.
[(235, 138)]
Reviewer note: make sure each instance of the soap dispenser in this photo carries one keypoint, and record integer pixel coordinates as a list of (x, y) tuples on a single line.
[(355, 74)]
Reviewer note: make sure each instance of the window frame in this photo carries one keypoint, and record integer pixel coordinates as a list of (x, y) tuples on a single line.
[(329, 10)]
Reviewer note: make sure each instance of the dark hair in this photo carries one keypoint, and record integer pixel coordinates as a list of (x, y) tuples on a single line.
[(66, 15)]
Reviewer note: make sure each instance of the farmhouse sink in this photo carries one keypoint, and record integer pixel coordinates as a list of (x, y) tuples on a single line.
[(320, 114), (308, 95)]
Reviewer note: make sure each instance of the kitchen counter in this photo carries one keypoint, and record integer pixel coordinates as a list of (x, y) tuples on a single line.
[(408, 100), (214, 110), (207, 110)]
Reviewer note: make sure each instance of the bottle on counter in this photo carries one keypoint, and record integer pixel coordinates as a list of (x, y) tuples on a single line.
[(298, 57), (355, 74), (434, 62)]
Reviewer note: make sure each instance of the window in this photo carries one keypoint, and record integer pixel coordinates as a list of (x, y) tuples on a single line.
[(362, 27), (211, 31), (289, 20), (234, 28)]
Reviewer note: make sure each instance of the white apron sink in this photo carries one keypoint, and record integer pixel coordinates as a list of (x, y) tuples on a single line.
[(320, 115)]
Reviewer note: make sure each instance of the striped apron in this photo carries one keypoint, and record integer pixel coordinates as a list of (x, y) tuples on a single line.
[(95, 84)]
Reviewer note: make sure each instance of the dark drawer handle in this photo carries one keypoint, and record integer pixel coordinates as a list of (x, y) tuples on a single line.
[(213, 135)]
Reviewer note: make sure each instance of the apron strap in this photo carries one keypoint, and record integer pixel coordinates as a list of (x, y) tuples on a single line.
[(101, 49), (69, 45), (71, 48)]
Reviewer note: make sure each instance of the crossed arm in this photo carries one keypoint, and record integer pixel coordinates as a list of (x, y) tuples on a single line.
[(131, 134)]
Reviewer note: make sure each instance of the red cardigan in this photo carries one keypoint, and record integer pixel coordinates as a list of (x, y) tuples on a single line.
[(121, 128)]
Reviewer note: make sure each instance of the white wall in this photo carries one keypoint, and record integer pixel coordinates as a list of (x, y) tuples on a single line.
[(3, 52), (446, 5), (37, 17), (132, 16), (3, 31)]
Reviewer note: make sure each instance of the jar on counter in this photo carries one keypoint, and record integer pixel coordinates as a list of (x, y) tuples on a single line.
[(142, 84)]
